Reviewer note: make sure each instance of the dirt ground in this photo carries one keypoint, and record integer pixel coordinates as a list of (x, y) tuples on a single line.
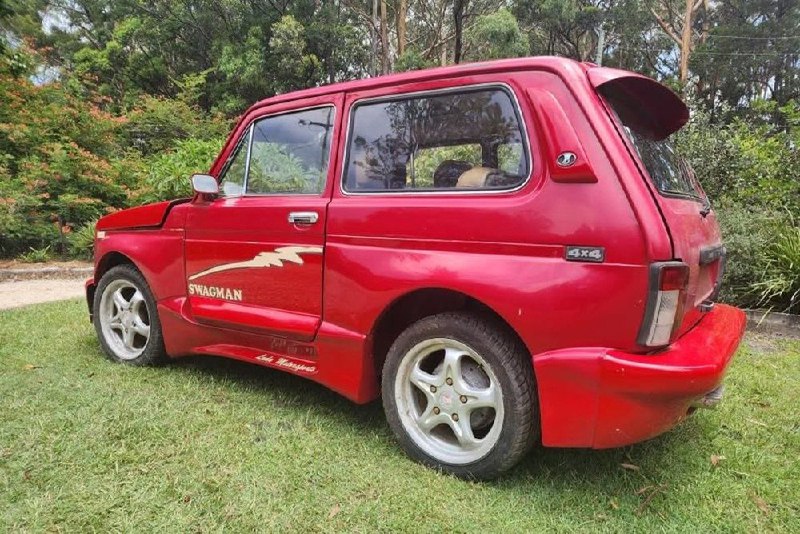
[(22, 284), (23, 292)]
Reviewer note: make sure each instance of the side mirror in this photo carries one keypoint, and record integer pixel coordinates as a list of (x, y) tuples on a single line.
[(204, 184)]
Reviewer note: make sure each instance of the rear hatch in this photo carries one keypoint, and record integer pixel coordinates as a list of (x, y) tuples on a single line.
[(647, 114)]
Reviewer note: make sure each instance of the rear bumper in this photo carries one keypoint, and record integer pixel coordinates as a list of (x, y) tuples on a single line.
[(601, 398)]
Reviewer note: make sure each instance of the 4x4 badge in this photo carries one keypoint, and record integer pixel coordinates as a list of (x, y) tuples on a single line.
[(590, 254)]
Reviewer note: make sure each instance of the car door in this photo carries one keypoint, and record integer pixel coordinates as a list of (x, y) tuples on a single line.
[(254, 255)]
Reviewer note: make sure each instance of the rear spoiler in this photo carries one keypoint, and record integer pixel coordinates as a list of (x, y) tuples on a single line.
[(658, 110)]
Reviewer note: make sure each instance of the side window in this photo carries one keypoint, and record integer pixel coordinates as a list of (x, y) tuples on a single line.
[(472, 139), (233, 177), (289, 152)]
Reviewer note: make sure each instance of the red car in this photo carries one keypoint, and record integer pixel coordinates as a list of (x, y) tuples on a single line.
[(509, 253)]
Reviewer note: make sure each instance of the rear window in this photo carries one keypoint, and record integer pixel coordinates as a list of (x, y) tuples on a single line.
[(669, 171)]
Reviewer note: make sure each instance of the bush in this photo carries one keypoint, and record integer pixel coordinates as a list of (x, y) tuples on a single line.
[(780, 284), (156, 125), (169, 173), (81, 241), (747, 234)]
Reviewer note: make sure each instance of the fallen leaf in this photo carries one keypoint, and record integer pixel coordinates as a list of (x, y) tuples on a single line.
[(334, 511), (187, 498), (26, 475), (761, 503), (31, 367), (715, 459), (630, 467), (614, 504)]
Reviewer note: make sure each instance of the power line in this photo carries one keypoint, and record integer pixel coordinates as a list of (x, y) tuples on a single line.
[(747, 37), (705, 53)]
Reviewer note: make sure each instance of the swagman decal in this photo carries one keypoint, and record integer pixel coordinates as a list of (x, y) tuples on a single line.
[(225, 293), (263, 259)]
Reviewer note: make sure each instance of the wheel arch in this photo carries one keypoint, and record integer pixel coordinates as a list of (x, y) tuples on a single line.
[(417, 304), (111, 260), (106, 263)]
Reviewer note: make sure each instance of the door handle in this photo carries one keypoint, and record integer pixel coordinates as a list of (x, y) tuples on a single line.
[(303, 217)]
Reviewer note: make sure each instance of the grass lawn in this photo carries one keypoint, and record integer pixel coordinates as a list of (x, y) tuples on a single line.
[(207, 444)]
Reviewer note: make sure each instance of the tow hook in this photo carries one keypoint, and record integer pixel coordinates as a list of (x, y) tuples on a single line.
[(710, 399)]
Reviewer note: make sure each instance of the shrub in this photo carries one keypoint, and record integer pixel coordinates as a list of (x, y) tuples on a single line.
[(81, 241), (156, 125), (169, 173), (780, 283)]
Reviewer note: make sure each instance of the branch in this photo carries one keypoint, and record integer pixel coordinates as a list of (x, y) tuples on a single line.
[(664, 26)]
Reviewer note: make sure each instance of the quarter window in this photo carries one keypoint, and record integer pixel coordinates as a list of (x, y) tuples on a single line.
[(453, 141), (233, 177)]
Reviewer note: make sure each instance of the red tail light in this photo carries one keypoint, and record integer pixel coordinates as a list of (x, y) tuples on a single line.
[(664, 312)]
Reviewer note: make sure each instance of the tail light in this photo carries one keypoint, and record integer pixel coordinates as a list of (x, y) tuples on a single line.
[(664, 312)]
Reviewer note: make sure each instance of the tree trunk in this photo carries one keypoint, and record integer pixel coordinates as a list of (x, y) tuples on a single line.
[(374, 39), (458, 21), (384, 39), (686, 41), (402, 13)]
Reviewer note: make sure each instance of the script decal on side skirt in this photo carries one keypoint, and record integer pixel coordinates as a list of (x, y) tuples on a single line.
[(287, 363), (264, 259)]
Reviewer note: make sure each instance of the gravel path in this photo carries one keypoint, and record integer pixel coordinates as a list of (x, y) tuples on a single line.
[(24, 292)]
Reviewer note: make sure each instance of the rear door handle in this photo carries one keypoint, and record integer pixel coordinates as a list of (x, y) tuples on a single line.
[(303, 217)]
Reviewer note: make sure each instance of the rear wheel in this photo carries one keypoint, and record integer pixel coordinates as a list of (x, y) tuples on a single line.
[(126, 319), (458, 392)]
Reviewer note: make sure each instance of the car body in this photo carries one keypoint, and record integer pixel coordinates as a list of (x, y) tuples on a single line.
[(558, 214)]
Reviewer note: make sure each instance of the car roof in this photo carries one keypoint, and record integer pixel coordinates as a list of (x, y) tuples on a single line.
[(552, 63)]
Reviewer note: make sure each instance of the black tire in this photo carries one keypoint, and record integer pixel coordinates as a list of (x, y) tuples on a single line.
[(152, 350), (506, 358)]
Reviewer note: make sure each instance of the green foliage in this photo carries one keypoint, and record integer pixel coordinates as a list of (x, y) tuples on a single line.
[(412, 59), (751, 167), (157, 124), (170, 172), (496, 36), (36, 255), (274, 170), (81, 241), (780, 283), (297, 67)]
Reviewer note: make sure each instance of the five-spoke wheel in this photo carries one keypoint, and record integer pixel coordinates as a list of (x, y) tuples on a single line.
[(459, 395), (125, 317), (449, 400)]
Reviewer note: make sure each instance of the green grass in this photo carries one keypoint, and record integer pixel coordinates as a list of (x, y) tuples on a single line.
[(206, 444)]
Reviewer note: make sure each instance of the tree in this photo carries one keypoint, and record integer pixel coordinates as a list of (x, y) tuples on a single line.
[(496, 36)]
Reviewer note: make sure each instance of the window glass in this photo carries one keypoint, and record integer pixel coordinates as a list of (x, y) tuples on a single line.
[(289, 152), (233, 179), (467, 140), (669, 171)]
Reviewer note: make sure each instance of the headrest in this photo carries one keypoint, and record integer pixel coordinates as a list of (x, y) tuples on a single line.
[(474, 177)]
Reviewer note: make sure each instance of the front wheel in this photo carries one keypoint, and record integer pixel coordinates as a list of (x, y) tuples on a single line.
[(126, 319), (458, 391)]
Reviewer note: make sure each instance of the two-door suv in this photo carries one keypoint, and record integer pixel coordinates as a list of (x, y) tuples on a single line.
[(508, 253)]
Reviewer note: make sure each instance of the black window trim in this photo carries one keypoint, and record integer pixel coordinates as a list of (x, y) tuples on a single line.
[(249, 133), (502, 86)]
